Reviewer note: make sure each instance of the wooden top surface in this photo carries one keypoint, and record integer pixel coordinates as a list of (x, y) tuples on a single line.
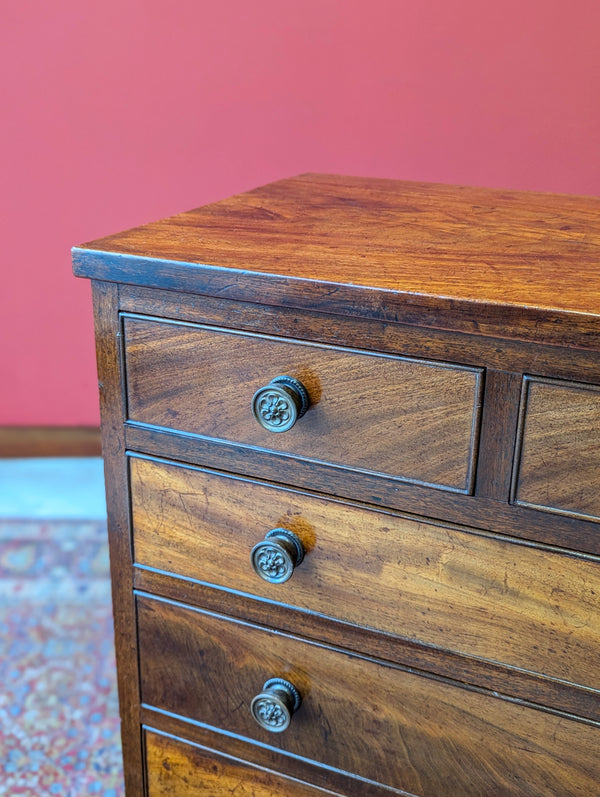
[(419, 241)]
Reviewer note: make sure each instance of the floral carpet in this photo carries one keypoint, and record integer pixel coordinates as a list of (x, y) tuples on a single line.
[(59, 727)]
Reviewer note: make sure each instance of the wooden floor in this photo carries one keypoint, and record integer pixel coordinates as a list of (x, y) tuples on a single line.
[(49, 441)]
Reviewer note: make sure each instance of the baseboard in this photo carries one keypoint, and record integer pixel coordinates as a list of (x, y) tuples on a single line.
[(50, 441)]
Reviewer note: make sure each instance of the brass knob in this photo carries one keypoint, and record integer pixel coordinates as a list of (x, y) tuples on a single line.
[(274, 706), (278, 406), (275, 557)]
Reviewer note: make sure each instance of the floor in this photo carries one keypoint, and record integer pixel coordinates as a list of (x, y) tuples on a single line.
[(52, 489), (59, 726)]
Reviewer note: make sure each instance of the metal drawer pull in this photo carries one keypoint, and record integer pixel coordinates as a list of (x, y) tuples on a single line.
[(275, 557), (274, 706), (278, 406)]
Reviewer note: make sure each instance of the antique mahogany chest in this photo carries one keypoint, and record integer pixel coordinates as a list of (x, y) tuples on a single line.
[(352, 440)]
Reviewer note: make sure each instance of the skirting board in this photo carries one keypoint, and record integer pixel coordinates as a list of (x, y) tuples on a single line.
[(50, 441)]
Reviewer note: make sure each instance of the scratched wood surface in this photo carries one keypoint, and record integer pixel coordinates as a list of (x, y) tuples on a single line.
[(384, 724), (117, 502), (409, 578), (478, 244), (409, 419), (177, 769), (490, 287), (559, 465)]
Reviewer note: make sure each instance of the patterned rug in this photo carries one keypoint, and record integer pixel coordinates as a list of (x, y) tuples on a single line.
[(59, 727)]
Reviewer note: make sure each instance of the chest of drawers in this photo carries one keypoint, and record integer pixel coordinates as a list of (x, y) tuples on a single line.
[(351, 432)]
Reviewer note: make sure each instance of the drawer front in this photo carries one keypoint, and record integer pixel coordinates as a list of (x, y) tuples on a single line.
[(175, 768), (386, 725), (408, 419), (559, 462), (465, 592)]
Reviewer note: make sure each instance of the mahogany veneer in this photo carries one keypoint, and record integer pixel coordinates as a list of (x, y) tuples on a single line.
[(437, 501), (355, 399)]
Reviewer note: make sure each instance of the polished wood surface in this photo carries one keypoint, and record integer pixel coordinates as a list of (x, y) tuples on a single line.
[(492, 515), (498, 427), (409, 419), (559, 466), (106, 326), (294, 771), (409, 578), (443, 626), (498, 679), (569, 360), (175, 768), (475, 244), (384, 724)]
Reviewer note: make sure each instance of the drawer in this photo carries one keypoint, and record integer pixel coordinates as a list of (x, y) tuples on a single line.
[(408, 419), (175, 768), (356, 715), (559, 456), (472, 593)]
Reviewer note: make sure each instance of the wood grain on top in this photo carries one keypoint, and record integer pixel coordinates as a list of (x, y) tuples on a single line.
[(482, 245)]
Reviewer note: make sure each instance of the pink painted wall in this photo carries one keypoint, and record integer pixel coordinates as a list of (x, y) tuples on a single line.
[(121, 111)]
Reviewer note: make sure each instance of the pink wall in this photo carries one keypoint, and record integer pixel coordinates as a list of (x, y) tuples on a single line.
[(121, 111)]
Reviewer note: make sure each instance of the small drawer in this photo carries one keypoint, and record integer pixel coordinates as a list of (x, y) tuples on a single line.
[(408, 419), (558, 459), (356, 715), (175, 768), (463, 591)]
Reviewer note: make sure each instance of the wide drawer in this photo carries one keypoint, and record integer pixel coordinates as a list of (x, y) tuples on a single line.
[(383, 724), (409, 419), (175, 768), (559, 454), (472, 593)]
